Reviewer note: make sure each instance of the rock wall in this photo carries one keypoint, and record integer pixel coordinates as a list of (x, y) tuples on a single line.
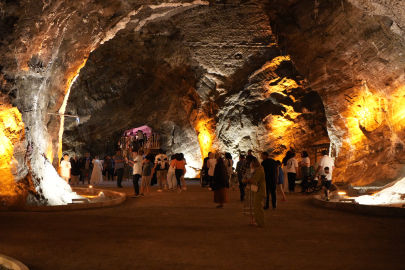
[(355, 61), (209, 78)]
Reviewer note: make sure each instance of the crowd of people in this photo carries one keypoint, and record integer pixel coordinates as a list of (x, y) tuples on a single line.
[(257, 181)]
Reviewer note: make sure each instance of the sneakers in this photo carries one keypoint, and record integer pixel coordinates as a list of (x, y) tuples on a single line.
[(159, 190), (327, 199), (184, 188)]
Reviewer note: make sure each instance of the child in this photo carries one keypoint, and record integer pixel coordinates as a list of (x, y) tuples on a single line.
[(327, 183), (65, 167), (280, 180), (146, 175)]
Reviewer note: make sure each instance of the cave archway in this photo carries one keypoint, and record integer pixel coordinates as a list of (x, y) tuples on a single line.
[(350, 54), (225, 86)]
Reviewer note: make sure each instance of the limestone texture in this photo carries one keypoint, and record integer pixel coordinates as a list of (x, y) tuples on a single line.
[(229, 76)]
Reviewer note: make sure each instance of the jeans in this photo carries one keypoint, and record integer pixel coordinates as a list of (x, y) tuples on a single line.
[(135, 179), (120, 174), (242, 187), (291, 181), (271, 191), (179, 174)]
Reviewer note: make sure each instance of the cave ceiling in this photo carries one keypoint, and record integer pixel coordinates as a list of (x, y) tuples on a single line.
[(267, 75)]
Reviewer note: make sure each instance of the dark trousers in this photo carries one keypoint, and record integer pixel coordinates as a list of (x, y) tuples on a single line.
[(271, 192), (141, 142), (211, 178), (242, 187), (110, 172), (179, 174), (120, 174), (291, 181), (135, 179)]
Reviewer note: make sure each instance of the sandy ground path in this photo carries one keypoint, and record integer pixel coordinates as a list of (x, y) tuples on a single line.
[(184, 231)]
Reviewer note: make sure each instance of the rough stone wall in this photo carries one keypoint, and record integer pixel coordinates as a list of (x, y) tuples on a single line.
[(209, 78), (355, 61)]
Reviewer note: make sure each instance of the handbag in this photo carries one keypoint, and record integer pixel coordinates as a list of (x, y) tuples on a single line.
[(254, 188)]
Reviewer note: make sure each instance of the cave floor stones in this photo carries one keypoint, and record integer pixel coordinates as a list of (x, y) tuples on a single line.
[(184, 231)]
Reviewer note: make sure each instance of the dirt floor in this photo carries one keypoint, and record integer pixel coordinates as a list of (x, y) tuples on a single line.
[(184, 231)]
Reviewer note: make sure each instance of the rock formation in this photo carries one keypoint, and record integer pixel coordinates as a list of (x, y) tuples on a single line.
[(266, 75)]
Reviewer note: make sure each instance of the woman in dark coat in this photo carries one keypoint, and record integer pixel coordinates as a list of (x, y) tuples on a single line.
[(220, 183)]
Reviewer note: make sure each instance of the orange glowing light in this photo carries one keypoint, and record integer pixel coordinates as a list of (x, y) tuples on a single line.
[(205, 137), (11, 131)]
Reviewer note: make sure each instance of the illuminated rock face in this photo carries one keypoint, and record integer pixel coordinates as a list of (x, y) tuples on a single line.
[(221, 87), (205, 77), (353, 57)]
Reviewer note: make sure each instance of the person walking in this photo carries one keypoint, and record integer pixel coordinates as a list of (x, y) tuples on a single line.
[(285, 170), (258, 181), (96, 176), (211, 167), (109, 168), (325, 162), (304, 165), (75, 171), (65, 168), (146, 176), (87, 167), (292, 169), (161, 167), (119, 167), (241, 170), (280, 180), (220, 183), (171, 174), (136, 163), (229, 166), (271, 175), (180, 170), (183, 181)]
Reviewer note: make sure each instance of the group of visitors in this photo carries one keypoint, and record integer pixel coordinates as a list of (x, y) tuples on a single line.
[(258, 182), (79, 169)]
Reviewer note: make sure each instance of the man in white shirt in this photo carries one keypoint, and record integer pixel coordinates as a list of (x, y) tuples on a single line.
[(161, 161), (65, 167), (324, 162), (136, 163)]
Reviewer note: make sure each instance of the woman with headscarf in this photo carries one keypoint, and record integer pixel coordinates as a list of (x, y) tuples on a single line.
[(257, 179), (220, 183), (285, 169)]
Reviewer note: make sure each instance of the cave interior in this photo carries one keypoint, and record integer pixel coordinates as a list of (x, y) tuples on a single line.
[(223, 76)]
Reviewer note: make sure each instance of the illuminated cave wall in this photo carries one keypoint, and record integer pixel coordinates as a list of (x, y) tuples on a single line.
[(225, 87), (353, 56)]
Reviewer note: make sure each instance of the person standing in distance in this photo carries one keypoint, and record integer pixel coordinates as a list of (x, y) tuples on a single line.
[(136, 163), (119, 167), (161, 162), (324, 162), (65, 167), (271, 175)]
